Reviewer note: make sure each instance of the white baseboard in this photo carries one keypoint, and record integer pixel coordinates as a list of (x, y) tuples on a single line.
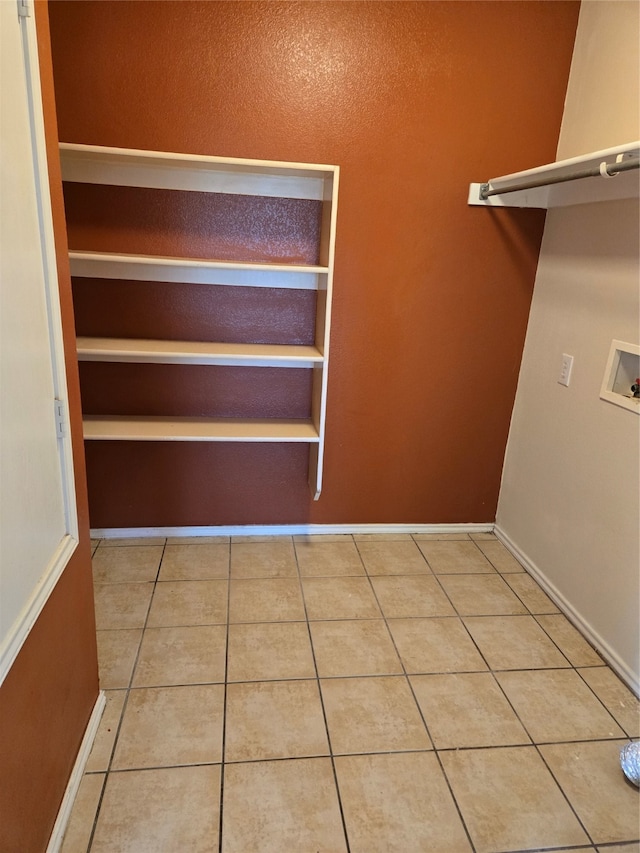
[(577, 619), (71, 791), (287, 530)]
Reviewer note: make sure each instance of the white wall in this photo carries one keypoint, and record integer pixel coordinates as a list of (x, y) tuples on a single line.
[(569, 503)]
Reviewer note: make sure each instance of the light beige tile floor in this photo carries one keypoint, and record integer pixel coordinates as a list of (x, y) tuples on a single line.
[(365, 694)]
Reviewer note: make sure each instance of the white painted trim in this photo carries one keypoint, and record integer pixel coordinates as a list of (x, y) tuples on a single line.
[(157, 428), (64, 812), (50, 269), (19, 631), (194, 270), (286, 530), (96, 164), (575, 617), (197, 352), (11, 644)]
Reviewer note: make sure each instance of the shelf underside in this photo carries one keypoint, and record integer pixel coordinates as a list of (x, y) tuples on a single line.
[(196, 271), (96, 164), (197, 352), (132, 428)]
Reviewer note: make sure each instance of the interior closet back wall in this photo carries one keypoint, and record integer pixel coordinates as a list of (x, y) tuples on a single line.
[(431, 297)]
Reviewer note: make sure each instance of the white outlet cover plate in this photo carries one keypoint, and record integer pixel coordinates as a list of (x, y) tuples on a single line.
[(565, 370)]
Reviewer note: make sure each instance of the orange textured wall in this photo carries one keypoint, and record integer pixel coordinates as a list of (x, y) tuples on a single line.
[(48, 695), (431, 297)]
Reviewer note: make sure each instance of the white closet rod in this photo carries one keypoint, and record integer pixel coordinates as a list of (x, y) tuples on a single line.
[(606, 170)]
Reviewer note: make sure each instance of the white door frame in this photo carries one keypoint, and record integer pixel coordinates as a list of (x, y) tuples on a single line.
[(36, 598)]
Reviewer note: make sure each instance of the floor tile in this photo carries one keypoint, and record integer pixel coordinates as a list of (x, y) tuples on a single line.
[(392, 558), (385, 797), (323, 537), (194, 562), (269, 650), (509, 800), (439, 537), (263, 560), (481, 595), (198, 540), (529, 592), (122, 605), (166, 726), (569, 640), (255, 539), (372, 715), (132, 541), (282, 807), (274, 719), (189, 603), (467, 710), (416, 595), (382, 537), (621, 703), (354, 647), (279, 790), (500, 557), (117, 651), (591, 777), (80, 826), (266, 600), (435, 645), (126, 565), (455, 558), (556, 705), (328, 559), (514, 642), (104, 740), (340, 598), (160, 811), (183, 655)]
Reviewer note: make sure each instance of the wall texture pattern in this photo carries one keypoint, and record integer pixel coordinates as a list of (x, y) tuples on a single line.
[(431, 298)]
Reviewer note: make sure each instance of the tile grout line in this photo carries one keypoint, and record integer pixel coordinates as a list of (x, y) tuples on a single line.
[(455, 609), (602, 663), (324, 713), (565, 796), (447, 749), (224, 706), (124, 705), (417, 704), (556, 612), (584, 681)]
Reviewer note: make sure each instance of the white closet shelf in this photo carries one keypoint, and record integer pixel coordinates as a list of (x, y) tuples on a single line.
[(132, 428), (197, 352), (130, 167), (557, 190), (194, 270), (96, 164)]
